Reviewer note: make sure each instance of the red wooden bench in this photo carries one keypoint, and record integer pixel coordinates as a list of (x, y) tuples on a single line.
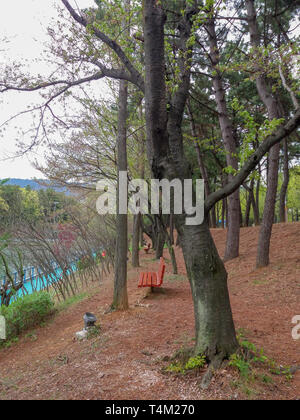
[(151, 279)]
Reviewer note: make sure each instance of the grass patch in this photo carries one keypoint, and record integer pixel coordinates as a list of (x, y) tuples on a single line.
[(249, 358), (196, 362), (72, 301), (173, 278), (25, 313)]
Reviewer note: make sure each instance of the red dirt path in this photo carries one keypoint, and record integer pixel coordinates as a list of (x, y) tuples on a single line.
[(126, 360)]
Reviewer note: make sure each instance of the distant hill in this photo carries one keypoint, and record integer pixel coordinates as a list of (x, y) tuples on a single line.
[(34, 185)]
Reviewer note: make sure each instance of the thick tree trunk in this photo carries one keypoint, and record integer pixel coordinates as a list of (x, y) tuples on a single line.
[(120, 298), (215, 333), (285, 183), (233, 235)]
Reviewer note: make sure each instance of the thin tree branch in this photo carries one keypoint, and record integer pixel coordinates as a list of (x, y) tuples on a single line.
[(137, 78), (282, 132)]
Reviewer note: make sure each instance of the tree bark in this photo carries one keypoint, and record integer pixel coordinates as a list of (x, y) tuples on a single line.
[(233, 235), (285, 183), (247, 211), (120, 298), (250, 201), (202, 167), (257, 213), (273, 108), (215, 333), (161, 238), (137, 236), (136, 240)]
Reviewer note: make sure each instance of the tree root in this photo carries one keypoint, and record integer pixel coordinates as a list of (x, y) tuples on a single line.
[(214, 365)]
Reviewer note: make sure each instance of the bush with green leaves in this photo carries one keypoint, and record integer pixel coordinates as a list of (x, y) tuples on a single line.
[(196, 362), (27, 312)]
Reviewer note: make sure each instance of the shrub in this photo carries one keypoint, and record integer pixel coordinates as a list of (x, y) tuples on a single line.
[(26, 312), (192, 363)]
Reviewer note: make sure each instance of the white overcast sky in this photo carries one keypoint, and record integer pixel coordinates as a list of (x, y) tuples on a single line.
[(24, 23)]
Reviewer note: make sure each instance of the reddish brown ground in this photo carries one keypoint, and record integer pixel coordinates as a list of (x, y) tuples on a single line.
[(126, 360)]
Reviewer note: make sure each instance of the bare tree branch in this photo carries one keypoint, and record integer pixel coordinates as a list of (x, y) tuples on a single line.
[(137, 78)]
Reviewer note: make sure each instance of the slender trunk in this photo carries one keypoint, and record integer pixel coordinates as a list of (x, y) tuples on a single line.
[(213, 217), (161, 237), (223, 213), (137, 236), (250, 201), (257, 222), (173, 259), (154, 236), (136, 240), (202, 167), (241, 216), (233, 235), (285, 183), (141, 232), (274, 111), (171, 229), (170, 244), (120, 298), (263, 250), (247, 211)]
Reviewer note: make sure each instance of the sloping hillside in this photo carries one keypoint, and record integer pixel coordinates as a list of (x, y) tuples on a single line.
[(125, 361)]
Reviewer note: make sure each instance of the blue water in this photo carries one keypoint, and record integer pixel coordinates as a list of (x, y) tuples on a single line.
[(35, 280)]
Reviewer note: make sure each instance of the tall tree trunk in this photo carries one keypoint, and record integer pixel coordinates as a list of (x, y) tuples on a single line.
[(141, 232), (247, 211), (136, 240), (272, 105), (170, 244), (233, 235), (213, 217), (136, 236), (224, 206), (215, 333), (161, 238), (171, 229), (250, 201), (120, 298), (257, 192), (202, 167), (285, 183)]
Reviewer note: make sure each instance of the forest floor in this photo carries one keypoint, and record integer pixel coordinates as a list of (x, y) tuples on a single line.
[(127, 359)]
